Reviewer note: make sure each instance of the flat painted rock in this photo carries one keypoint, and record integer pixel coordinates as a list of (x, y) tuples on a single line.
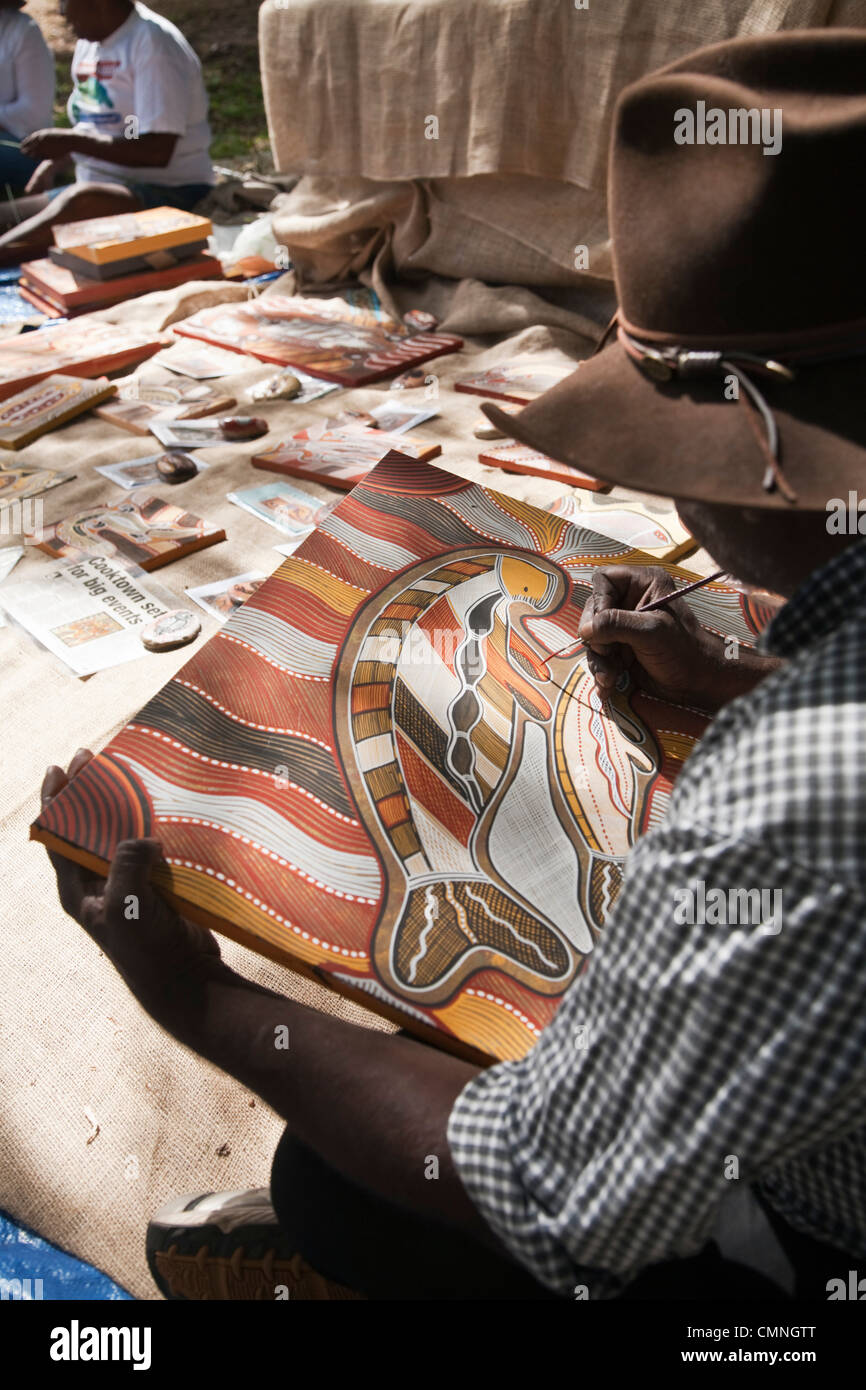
[(176, 467), (173, 629), (209, 405), (420, 321), (282, 387), (243, 427), (409, 381)]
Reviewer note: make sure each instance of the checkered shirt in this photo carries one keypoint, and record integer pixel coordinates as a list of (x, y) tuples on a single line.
[(683, 1046)]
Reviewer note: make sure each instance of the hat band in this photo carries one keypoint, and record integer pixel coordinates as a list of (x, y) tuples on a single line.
[(802, 344), (661, 364)]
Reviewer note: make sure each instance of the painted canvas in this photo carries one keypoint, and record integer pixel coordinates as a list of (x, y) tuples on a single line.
[(143, 530), (516, 381), (224, 597), (391, 766), (72, 293), (653, 527), (19, 483), (139, 403), (290, 509), (81, 349), (519, 458), (48, 404), (328, 338), (339, 458), (101, 240)]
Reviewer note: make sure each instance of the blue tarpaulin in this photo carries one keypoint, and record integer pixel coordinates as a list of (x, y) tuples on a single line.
[(33, 1268)]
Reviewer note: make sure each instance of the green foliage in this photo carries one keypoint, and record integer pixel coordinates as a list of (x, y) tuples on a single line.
[(64, 87), (237, 112)]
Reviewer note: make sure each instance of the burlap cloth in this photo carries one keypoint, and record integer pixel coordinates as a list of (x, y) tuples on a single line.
[(468, 138), (516, 86)]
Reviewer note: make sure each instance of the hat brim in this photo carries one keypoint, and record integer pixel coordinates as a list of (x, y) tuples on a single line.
[(685, 440)]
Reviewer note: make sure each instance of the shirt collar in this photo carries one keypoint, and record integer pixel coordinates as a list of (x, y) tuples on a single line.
[(121, 29), (822, 603)]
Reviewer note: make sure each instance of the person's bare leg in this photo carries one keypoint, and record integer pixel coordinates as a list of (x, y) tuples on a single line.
[(21, 240), (17, 210)]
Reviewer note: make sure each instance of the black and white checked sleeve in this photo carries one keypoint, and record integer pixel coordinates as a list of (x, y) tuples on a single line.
[(685, 1044)]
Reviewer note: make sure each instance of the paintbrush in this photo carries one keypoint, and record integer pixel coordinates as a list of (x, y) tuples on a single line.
[(678, 593), (652, 607)]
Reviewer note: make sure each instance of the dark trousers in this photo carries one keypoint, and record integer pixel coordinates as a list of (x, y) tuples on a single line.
[(15, 167), (378, 1249)]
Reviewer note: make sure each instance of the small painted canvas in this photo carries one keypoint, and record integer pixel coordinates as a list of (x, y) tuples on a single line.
[(72, 294), (139, 402), (18, 483), (48, 404), (200, 363), (395, 418), (515, 381), (519, 458), (80, 349), (133, 415), (290, 509), (326, 337), (224, 597), (654, 528), (142, 530), (392, 766), (101, 240), (339, 458)]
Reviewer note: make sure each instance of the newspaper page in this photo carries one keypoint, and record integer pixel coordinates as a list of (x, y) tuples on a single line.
[(88, 612)]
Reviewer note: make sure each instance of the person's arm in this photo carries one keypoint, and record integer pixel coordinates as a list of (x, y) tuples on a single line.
[(374, 1105), (153, 150), (34, 87), (45, 175), (666, 652)]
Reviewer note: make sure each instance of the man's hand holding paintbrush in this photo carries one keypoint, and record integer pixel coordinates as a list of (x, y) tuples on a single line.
[(664, 649)]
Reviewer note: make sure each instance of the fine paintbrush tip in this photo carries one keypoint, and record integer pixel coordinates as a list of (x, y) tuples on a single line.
[(678, 593)]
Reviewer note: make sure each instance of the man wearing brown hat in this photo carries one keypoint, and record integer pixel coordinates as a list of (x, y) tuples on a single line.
[(711, 1137)]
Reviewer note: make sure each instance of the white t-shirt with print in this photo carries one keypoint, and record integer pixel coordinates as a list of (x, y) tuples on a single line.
[(26, 76), (143, 79)]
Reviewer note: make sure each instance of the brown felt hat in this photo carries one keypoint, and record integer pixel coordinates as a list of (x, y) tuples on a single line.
[(738, 369)]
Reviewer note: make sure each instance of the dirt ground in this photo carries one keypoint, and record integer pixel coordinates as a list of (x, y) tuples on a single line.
[(224, 33)]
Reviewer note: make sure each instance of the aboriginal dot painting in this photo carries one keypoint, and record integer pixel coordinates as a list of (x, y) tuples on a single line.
[(392, 766)]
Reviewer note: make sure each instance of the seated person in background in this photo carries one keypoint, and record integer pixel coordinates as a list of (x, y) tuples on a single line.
[(139, 136), (26, 90)]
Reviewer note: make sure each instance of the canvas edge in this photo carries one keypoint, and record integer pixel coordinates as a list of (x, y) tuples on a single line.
[(425, 1033)]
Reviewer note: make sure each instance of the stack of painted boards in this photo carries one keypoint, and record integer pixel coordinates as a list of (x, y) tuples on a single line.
[(108, 260)]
